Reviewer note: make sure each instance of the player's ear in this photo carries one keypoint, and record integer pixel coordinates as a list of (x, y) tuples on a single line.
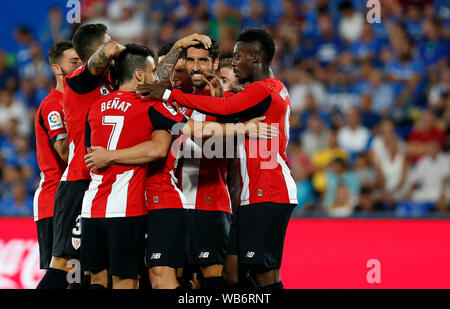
[(216, 64), (56, 69), (139, 75)]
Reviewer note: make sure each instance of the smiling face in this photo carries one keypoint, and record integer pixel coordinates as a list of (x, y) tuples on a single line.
[(199, 61), (243, 62)]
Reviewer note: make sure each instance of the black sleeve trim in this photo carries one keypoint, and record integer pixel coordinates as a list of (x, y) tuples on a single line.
[(57, 138), (161, 122), (84, 82), (254, 111), (87, 133)]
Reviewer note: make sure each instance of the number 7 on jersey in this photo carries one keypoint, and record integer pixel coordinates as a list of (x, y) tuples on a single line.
[(117, 123)]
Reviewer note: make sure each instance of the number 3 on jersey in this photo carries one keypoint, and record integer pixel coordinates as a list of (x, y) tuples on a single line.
[(117, 123)]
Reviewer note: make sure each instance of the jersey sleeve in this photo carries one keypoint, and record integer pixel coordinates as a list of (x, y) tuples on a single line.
[(87, 133), (82, 81), (252, 102), (164, 117), (52, 119)]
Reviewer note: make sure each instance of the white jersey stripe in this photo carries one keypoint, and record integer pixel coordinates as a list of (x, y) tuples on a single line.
[(36, 198), (190, 171), (71, 155), (289, 180), (185, 203), (245, 191), (116, 205), (90, 194)]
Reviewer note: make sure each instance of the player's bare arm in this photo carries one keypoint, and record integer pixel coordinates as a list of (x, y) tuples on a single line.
[(62, 148), (164, 68), (149, 151), (253, 128), (100, 60)]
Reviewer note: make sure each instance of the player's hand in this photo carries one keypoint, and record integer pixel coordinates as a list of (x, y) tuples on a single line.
[(214, 84), (194, 39), (98, 158), (233, 88), (255, 129), (154, 90)]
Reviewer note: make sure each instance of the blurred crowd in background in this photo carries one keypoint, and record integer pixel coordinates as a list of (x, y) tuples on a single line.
[(370, 118)]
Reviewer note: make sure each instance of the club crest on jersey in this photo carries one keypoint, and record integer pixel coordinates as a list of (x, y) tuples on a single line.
[(104, 91), (76, 242), (170, 109), (54, 121)]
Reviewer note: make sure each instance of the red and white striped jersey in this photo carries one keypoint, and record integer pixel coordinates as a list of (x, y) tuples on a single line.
[(203, 180), (49, 127), (265, 175), (162, 190), (117, 121), (81, 89)]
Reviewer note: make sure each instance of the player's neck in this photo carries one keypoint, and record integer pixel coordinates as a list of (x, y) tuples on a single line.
[(198, 90), (128, 86), (59, 84)]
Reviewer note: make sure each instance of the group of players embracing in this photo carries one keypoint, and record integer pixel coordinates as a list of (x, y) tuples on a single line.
[(128, 185)]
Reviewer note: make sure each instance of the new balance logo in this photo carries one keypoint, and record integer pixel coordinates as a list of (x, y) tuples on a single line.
[(203, 255), (155, 256), (250, 254)]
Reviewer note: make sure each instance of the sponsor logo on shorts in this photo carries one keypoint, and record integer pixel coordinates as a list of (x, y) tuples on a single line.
[(76, 242), (155, 256), (203, 255), (250, 254)]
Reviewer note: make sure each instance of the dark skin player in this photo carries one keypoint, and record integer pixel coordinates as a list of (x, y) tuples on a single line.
[(249, 66)]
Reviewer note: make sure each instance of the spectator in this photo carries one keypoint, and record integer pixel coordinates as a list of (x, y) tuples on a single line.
[(388, 154), (433, 47), (428, 181), (439, 93), (423, 134), (353, 137), (369, 119), (315, 137), (381, 93), (305, 191), (365, 172), (18, 203), (11, 109), (351, 24), (344, 203), (340, 174), (130, 27), (24, 38), (307, 85), (8, 75), (54, 29), (368, 203), (326, 45), (367, 46), (38, 66)]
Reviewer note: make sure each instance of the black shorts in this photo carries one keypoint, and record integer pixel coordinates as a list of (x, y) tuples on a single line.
[(261, 231), (166, 237), (232, 245), (207, 237), (67, 218), (116, 244), (45, 240)]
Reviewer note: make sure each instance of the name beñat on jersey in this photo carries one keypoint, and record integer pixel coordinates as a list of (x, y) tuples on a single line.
[(115, 104)]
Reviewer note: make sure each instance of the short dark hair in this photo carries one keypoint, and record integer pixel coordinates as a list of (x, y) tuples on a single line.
[(165, 49), (213, 49), (226, 63), (264, 39), (87, 38), (57, 50), (133, 57)]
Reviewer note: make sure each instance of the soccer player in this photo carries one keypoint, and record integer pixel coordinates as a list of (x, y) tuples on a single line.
[(51, 146), (114, 207), (268, 191), (203, 181), (81, 88)]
